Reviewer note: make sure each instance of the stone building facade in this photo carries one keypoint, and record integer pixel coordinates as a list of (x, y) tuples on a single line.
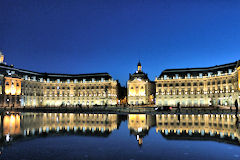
[(191, 87), (23, 88), (140, 90), (211, 86)]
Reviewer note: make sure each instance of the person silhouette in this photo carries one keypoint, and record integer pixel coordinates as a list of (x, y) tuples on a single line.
[(236, 105), (236, 113)]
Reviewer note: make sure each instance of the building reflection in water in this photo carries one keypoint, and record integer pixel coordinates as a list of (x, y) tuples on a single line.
[(139, 125), (32, 124), (221, 127)]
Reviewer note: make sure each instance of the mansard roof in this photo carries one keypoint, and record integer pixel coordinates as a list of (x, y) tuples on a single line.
[(138, 74), (182, 72), (22, 72)]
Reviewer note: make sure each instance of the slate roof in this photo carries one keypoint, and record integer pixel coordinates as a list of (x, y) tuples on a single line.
[(182, 72), (53, 76)]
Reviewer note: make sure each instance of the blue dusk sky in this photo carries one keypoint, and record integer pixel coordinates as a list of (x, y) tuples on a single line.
[(91, 36)]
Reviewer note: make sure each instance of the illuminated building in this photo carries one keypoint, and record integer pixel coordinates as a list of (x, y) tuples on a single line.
[(140, 90), (211, 86), (191, 87), (21, 88)]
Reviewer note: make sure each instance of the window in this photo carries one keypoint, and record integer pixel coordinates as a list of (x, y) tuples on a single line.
[(159, 85), (68, 80), (176, 76), (165, 77), (189, 84), (183, 84)]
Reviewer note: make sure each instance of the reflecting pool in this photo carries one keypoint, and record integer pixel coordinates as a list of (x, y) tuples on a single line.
[(115, 136)]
